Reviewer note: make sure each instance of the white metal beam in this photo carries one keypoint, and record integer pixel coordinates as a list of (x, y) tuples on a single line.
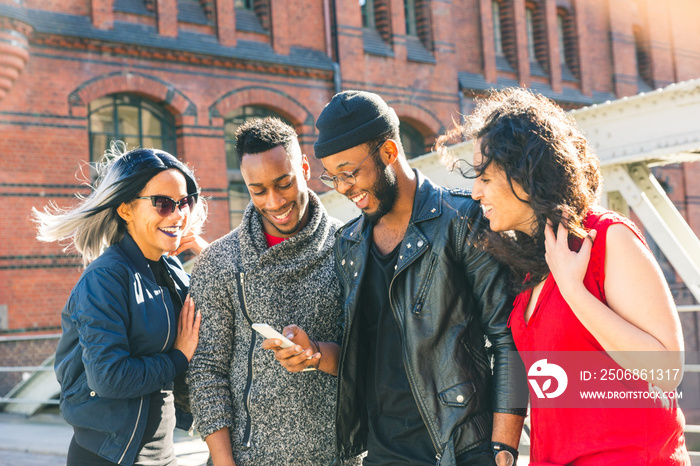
[(659, 127), (659, 216)]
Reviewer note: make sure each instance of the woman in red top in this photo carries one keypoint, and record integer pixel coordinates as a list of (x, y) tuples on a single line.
[(587, 282)]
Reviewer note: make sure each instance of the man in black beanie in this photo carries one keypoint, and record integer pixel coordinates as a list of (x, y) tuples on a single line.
[(414, 373)]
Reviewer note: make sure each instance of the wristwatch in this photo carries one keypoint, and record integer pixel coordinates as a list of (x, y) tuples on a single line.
[(509, 452)]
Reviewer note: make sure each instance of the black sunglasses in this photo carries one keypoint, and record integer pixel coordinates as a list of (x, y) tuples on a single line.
[(166, 205)]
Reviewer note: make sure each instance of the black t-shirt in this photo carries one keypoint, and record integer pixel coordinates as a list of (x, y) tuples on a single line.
[(163, 278), (397, 433)]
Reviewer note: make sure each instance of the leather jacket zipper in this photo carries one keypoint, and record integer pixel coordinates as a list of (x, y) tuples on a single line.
[(132, 433), (248, 431)]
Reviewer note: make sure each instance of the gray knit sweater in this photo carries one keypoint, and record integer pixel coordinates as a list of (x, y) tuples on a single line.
[(288, 418)]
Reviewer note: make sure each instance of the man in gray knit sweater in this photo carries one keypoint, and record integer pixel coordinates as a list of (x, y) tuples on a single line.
[(276, 268)]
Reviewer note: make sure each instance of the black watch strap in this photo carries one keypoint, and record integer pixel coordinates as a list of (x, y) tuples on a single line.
[(498, 447)]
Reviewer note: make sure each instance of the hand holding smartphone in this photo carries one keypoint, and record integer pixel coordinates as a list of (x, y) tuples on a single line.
[(269, 332)]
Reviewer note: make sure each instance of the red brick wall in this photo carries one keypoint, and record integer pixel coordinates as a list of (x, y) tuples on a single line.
[(23, 352), (44, 126)]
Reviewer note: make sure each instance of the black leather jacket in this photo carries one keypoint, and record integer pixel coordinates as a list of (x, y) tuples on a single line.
[(446, 296)]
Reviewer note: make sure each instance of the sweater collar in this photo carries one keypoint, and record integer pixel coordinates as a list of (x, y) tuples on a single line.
[(312, 238)]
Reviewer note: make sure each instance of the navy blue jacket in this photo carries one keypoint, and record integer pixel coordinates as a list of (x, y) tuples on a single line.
[(119, 327)]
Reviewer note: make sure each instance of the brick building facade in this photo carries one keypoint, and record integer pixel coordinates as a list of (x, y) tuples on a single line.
[(182, 74)]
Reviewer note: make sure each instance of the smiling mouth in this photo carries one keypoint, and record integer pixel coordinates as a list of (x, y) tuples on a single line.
[(283, 215), (487, 209), (171, 231), (358, 198)]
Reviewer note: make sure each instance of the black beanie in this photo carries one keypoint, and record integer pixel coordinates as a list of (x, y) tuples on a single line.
[(352, 118)]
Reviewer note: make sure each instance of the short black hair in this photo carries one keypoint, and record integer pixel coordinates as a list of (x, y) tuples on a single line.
[(392, 134), (262, 134)]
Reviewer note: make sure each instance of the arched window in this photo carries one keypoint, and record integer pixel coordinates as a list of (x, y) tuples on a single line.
[(237, 191), (412, 140), (133, 119)]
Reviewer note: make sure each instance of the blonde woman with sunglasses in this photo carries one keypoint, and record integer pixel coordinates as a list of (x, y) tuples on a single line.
[(129, 326)]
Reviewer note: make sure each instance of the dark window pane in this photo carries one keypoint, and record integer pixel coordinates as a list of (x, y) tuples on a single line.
[(132, 142), (562, 43), (98, 144), (102, 121), (497, 36), (151, 124), (238, 200), (367, 10), (410, 9), (231, 156), (412, 140), (530, 30), (128, 120), (149, 142)]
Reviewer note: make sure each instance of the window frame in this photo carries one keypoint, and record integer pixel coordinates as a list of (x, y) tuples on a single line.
[(247, 5), (119, 100)]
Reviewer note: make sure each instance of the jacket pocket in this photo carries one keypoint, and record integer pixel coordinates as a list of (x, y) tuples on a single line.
[(458, 395), (79, 392), (425, 285)]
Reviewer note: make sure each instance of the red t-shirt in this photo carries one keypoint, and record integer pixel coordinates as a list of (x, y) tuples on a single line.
[(590, 435), (272, 240)]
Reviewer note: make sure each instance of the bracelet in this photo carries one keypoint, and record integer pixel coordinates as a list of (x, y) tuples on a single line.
[(498, 447), (318, 350)]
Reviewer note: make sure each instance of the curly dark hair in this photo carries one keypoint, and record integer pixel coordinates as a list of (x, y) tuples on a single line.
[(539, 147), (262, 134)]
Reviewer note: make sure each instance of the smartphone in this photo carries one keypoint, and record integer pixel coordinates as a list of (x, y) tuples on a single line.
[(269, 332)]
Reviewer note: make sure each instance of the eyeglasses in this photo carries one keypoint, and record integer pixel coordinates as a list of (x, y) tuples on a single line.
[(166, 205), (348, 178)]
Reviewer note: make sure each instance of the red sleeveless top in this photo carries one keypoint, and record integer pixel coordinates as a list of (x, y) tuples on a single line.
[(591, 436)]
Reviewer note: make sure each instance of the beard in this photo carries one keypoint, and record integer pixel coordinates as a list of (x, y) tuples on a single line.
[(385, 189)]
